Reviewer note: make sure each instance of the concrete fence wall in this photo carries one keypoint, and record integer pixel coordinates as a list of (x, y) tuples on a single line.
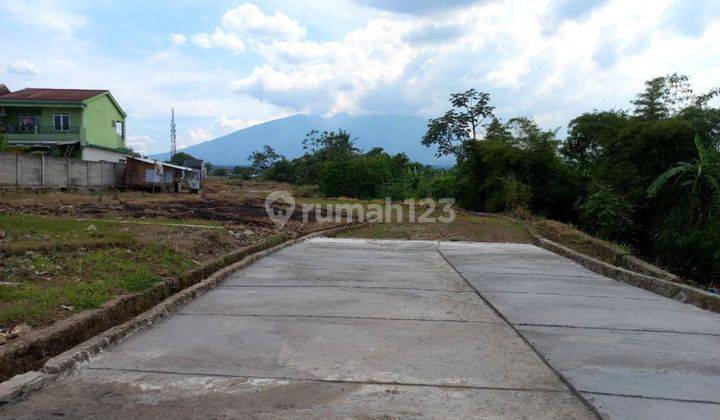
[(33, 171)]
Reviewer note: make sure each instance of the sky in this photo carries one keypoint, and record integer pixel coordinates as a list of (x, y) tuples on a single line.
[(226, 65)]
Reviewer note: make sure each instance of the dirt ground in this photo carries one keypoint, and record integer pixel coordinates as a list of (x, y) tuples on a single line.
[(465, 227), (233, 204), (64, 252)]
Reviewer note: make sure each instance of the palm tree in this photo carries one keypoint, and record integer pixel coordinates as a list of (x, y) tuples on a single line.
[(701, 180)]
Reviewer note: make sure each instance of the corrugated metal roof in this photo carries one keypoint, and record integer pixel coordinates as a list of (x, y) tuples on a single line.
[(60, 95), (153, 162)]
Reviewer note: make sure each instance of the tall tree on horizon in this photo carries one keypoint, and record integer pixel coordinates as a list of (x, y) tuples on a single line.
[(461, 124)]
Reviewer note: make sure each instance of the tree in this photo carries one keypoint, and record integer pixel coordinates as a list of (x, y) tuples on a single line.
[(665, 96), (451, 132), (241, 172), (700, 180), (263, 159), (329, 144), (179, 158), (590, 134), (220, 171)]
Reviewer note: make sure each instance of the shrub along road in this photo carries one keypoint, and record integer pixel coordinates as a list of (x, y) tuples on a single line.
[(366, 328)]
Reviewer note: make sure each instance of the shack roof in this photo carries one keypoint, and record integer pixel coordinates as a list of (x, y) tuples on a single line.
[(154, 162)]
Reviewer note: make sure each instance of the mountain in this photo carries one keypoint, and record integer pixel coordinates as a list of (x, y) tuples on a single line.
[(394, 133)]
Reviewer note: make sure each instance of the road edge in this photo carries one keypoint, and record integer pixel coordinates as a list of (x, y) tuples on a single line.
[(27, 382), (662, 286)]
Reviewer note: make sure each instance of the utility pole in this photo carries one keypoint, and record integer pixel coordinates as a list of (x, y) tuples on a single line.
[(173, 147)]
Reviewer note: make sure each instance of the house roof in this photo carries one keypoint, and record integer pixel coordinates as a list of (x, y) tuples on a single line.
[(61, 95), (4, 90)]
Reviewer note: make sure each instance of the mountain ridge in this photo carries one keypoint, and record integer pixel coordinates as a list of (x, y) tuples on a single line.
[(394, 133)]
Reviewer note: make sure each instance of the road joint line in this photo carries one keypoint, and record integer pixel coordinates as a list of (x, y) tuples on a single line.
[(459, 321), (572, 294), (335, 381), (646, 397), (502, 273), (522, 324), (240, 286), (542, 358)]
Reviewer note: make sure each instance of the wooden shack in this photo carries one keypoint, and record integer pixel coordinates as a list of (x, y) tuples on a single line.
[(148, 174)]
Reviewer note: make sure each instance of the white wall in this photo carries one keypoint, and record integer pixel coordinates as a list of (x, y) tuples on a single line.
[(96, 155), (35, 171)]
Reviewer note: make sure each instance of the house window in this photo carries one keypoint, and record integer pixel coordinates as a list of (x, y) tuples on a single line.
[(119, 128), (28, 123), (61, 122)]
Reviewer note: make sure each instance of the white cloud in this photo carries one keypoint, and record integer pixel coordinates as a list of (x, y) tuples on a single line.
[(534, 61), (178, 39), (329, 77), (409, 64), (234, 124), (195, 136), (139, 144), (44, 14), (219, 38), (24, 68), (248, 22)]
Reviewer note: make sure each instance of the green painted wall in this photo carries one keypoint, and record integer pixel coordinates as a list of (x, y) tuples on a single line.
[(45, 114), (91, 122), (99, 116), (46, 123)]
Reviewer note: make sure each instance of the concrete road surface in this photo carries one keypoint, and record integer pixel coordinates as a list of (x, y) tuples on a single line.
[(342, 328)]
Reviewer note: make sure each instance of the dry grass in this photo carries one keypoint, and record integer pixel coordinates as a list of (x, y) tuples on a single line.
[(63, 252), (66, 252), (465, 227), (56, 266)]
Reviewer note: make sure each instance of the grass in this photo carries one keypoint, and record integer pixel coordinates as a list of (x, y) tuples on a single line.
[(160, 221), (39, 228), (55, 266), (81, 280), (574, 238)]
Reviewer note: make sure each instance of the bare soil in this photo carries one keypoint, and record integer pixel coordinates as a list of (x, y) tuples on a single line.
[(63, 252), (465, 227)]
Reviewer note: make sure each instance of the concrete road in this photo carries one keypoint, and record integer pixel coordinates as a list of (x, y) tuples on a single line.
[(630, 353), (344, 328)]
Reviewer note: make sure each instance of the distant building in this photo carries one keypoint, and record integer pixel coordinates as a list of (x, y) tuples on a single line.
[(78, 123), (194, 163), (149, 174)]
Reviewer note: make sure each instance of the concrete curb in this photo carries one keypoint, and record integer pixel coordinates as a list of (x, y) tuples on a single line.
[(643, 279), (21, 384), (677, 291)]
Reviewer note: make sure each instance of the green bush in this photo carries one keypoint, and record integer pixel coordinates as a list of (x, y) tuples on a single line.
[(444, 186), (220, 171), (307, 191), (397, 190), (608, 215), (516, 194)]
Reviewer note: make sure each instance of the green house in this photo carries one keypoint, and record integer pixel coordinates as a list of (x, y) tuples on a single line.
[(78, 123)]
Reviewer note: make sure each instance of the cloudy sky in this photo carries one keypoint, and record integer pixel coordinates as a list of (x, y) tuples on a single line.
[(225, 65)]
